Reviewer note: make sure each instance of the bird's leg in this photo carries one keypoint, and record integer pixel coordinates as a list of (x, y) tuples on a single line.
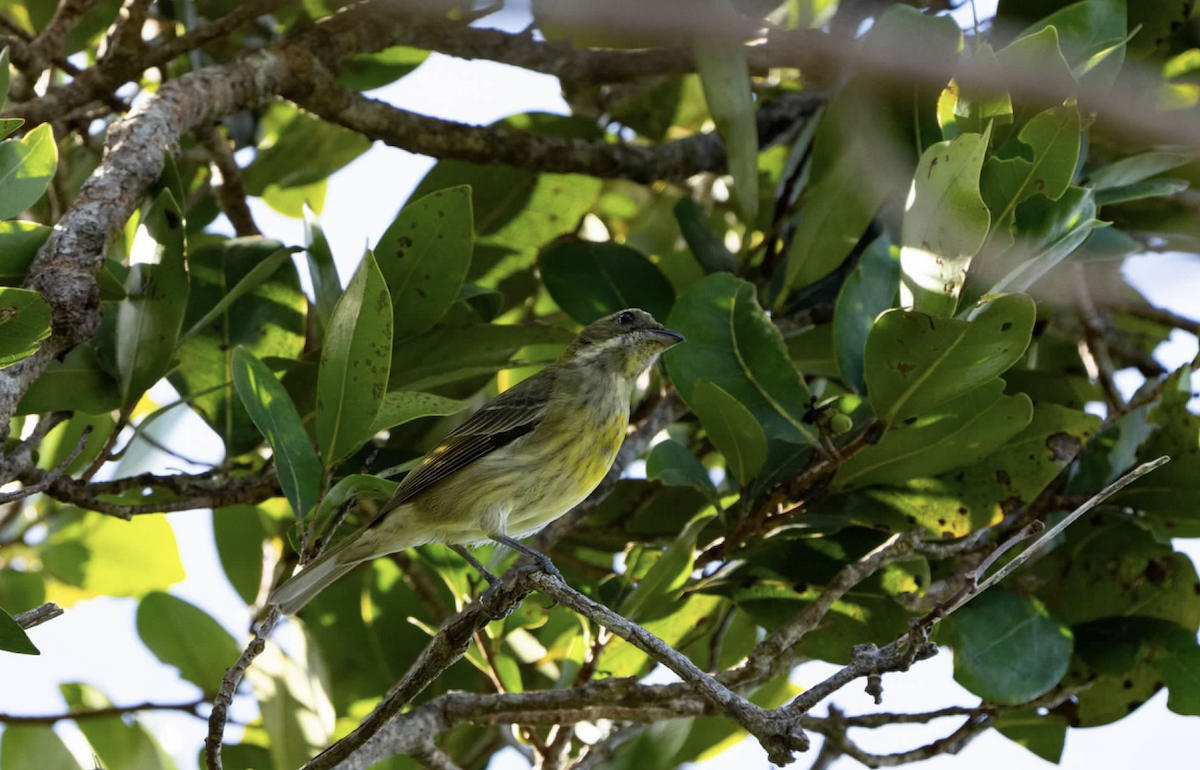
[(462, 551), (540, 559)]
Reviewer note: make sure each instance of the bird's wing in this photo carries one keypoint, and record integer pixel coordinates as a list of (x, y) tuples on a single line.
[(506, 418)]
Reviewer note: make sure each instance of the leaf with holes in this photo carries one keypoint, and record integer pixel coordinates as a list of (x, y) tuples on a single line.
[(1052, 140), (355, 363), (957, 434), (959, 502), (915, 362), (424, 256), (945, 224)]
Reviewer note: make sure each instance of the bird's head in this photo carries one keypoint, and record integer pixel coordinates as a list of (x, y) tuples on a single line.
[(624, 343)]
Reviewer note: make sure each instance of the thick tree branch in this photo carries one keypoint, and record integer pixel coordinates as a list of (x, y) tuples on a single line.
[(65, 268), (672, 161), (211, 489)]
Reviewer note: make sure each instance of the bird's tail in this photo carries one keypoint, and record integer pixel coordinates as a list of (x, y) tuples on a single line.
[(300, 589)]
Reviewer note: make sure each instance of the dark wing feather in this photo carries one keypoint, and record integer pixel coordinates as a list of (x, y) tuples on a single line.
[(507, 417)]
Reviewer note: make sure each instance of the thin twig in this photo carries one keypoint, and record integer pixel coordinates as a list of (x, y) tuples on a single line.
[(191, 707), (229, 684), (44, 483), (38, 615)]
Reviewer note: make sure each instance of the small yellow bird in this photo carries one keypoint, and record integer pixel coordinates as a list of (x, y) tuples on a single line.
[(519, 463)]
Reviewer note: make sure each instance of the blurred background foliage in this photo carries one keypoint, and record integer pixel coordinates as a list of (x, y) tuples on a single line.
[(919, 286)]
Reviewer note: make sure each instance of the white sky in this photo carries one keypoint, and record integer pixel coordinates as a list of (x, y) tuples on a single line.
[(96, 640)]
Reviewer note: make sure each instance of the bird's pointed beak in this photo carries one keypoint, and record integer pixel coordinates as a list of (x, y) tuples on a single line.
[(668, 337)]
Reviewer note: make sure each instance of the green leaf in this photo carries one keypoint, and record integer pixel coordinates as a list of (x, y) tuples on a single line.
[(26, 167), (24, 322), (1037, 58), (1116, 646), (257, 275), (13, 638), (837, 206), (1043, 734), (956, 434), (725, 76), (21, 591), (1151, 188), (732, 428), (732, 343), (1166, 501), (979, 102), (292, 692), (355, 364), (710, 736), (1007, 650), (273, 412), (915, 362), (1052, 139), (34, 747), (267, 319), (960, 502), (708, 249), (184, 636), (403, 406), (4, 76), (19, 244), (326, 285), (424, 255), (687, 618), (368, 71), (443, 351), (150, 317), (591, 280), (60, 442), (239, 533), (1115, 569), (869, 290), (1084, 27), (671, 463), (117, 744), (95, 553), (9, 126), (945, 224), (666, 578), (1136, 168), (361, 486), (77, 382), (299, 149), (291, 201)]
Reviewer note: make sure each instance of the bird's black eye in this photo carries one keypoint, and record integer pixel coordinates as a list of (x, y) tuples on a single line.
[(625, 318)]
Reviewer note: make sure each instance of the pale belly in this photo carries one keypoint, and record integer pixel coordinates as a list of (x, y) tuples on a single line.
[(518, 490)]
